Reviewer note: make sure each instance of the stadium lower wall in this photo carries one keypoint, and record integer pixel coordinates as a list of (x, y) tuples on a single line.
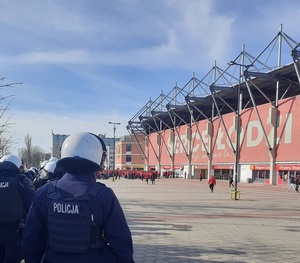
[(172, 148)]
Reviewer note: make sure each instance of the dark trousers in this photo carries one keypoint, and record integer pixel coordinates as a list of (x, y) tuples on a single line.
[(211, 186), (10, 244)]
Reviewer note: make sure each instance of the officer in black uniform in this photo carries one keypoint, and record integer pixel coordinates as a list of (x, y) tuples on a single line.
[(47, 173), (16, 194), (75, 219)]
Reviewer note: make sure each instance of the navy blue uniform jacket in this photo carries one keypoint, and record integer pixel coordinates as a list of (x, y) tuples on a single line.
[(107, 213)]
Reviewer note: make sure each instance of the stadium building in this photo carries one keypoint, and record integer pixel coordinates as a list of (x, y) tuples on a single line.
[(242, 120)]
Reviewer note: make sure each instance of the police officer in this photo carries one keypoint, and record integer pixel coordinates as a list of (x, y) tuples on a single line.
[(16, 194), (31, 173), (75, 219), (46, 174)]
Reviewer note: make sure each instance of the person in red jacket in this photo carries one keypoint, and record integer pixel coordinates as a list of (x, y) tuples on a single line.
[(211, 183), (148, 175), (201, 176)]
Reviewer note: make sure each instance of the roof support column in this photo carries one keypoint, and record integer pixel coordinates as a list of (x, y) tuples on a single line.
[(172, 138), (189, 155), (210, 133), (210, 128), (273, 152), (147, 153), (158, 141)]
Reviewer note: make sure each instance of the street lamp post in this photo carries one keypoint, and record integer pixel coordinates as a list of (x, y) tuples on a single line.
[(114, 149), (238, 124)]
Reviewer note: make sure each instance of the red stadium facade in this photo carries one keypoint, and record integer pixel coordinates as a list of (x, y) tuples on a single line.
[(242, 121), (254, 151)]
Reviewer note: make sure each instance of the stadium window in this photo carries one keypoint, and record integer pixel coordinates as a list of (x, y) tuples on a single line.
[(128, 147), (128, 158)]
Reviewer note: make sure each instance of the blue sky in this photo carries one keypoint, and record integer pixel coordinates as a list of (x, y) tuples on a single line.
[(84, 63)]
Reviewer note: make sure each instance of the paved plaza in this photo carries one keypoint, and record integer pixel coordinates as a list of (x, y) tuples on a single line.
[(180, 220)]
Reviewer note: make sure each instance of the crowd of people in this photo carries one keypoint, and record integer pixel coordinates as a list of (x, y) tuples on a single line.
[(59, 212), (128, 174), (134, 174)]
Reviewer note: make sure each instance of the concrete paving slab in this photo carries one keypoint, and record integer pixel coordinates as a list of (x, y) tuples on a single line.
[(180, 220)]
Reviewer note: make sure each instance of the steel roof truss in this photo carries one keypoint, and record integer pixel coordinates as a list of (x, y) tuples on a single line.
[(158, 128), (139, 146), (261, 92), (296, 59), (197, 129), (193, 122), (160, 133), (178, 135), (153, 149), (228, 105), (200, 111), (258, 115), (179, 117), (286, 91), (150, 128), (222, 120)]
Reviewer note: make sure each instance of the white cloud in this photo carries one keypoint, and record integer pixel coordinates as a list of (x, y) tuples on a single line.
[(49, 57), (40, 125), (190, 35), (78, 58)]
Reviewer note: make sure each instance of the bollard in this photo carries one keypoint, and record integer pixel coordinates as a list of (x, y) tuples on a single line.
[(232, 195)]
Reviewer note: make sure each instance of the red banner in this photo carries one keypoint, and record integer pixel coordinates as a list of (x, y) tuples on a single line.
[(288, 167)]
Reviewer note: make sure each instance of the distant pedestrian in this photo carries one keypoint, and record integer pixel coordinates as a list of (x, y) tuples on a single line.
[(231, 181), (211, 183), (184, 175), (293, 184), (148, 175), (297, 183), (200, 176), (153, 177)]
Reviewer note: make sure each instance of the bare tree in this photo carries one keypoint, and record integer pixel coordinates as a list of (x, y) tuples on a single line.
[(6, 138), (32, 156), (38, 155)]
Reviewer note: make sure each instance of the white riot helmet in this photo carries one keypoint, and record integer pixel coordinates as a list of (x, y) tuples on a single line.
[(53, 159), (49, 168), (43, 164), (82, 152), (34, 171), (13, 159)]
